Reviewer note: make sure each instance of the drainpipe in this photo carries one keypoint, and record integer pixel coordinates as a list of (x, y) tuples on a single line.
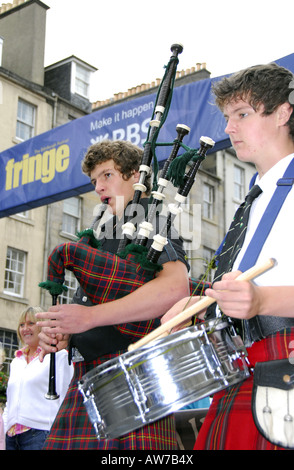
[(54, 114)]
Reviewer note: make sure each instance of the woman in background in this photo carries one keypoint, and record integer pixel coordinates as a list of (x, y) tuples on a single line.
[(28, 415)]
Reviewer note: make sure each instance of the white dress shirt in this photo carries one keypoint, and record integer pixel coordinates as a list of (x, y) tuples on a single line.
[(280, 242)]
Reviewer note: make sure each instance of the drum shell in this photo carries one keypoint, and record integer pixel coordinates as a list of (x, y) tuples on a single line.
[(144, 385)]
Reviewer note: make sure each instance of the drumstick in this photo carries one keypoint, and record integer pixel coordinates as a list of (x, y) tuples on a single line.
[(166, 333), (201, 305)]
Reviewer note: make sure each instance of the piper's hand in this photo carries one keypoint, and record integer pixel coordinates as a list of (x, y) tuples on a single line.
[(51, 343), (178, 308), (65, 319), (237, 299)]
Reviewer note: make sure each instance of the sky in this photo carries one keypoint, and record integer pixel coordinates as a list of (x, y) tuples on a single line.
[(129, 41)]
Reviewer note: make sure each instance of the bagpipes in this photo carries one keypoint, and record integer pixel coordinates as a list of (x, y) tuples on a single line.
[(105, 276)]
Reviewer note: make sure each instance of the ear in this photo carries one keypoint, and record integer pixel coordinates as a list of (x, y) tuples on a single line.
[(284, 113), (136, 176)]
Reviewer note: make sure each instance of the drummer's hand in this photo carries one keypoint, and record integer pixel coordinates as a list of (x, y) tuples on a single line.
[(237, 299), (65, 319), (51, 343), (178, 308)]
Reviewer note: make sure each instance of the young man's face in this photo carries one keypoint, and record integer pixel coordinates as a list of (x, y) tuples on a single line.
[(252, 134), (111, 187)]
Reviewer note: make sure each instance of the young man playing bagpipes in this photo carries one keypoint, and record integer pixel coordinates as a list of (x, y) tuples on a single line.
[(258, 413), (102, 331)]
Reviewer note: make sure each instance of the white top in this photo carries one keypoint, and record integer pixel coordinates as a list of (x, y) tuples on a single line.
[(279, 244), (2, 435), (27, 386)]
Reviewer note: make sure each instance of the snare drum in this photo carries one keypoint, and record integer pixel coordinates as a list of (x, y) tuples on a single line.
[(147, 384)]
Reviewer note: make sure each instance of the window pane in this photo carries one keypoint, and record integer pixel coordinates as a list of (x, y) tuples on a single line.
[(239, 183), (71, 206), (25, 120), (23, 131), (25, 112), (24, 214), (71, 215), (8, 341), (82, 81), (208, 197), (14, 272), (72, 284), (69, 224)]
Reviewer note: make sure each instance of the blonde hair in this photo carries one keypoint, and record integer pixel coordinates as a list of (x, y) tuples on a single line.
[(29, 312)]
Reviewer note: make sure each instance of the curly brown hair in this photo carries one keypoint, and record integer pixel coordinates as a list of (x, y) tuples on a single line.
[(126, 156), (269, 85)]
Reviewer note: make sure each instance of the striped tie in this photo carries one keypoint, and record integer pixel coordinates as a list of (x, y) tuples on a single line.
[(236, 234)]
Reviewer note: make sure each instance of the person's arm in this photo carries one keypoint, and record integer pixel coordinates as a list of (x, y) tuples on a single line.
[(179, 307), (149, 301), (244, 299)]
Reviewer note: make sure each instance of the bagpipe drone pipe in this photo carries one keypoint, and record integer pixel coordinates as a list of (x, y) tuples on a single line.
[(105, 276)]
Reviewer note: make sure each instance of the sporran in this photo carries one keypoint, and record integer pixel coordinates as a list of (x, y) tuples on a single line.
[(273, 401)]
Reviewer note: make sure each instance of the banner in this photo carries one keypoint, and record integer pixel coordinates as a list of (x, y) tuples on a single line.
[(47, 168)]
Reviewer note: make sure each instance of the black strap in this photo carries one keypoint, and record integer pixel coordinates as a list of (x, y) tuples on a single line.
[(97, 341)]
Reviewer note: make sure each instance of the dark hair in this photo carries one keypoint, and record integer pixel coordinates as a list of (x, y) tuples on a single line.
[(268, 85), (126, 156)]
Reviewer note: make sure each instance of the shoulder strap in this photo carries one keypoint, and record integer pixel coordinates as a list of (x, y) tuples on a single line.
[(284, 185), (252, 181)]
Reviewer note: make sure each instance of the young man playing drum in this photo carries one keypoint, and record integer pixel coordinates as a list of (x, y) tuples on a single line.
[(258, 109), (113, 168)]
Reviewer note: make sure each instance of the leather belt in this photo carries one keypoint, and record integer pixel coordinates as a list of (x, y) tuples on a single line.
[(260, 327)]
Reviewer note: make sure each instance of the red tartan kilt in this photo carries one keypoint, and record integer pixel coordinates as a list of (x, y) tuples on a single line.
[(229, 422)]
